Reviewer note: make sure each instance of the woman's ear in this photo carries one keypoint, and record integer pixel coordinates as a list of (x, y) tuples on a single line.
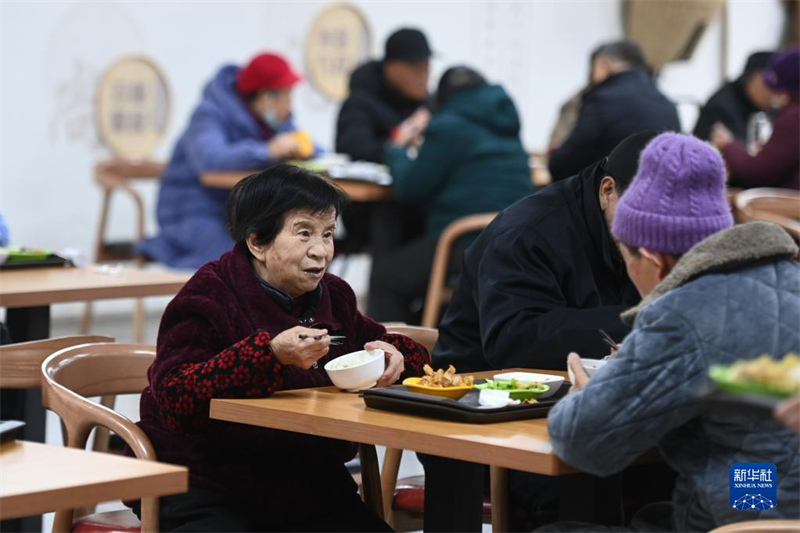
[(664, 263), (258, 250)]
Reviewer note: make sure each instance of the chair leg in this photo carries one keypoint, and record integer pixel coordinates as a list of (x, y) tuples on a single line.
[(499, 493), (391, 467), (86, 320), (371, 478), (138, 320)]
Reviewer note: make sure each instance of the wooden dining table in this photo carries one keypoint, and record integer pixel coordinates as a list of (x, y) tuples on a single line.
[(453, 489), (39, 478), (28, 293), (358, 191)]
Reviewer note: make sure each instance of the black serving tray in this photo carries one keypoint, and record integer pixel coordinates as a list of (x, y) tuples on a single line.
[(399, 398), (49, 261)]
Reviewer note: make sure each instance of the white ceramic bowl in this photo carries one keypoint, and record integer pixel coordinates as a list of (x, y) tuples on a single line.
[(357, 370), (590, 365)]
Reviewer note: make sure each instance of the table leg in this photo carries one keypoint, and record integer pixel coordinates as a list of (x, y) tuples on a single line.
[(453, 495), (26, 324), (499, 492)]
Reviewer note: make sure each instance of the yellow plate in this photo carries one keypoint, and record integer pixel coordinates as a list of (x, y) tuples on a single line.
[(453, 393)]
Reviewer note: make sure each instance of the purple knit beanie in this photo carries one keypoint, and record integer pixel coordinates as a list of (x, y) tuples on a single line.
[(677, 197)]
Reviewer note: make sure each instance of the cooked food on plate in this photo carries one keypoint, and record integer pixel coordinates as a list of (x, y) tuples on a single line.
[(444, 378), (763, 375)]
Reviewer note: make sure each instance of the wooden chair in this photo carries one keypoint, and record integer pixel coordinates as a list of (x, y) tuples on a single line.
[(407, 495), (69, 377), (22, 362), (781, 206), (761, 526), (438, 291), (120, 175)]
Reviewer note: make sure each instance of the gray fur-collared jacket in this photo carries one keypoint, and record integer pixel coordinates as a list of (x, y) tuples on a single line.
[(733, 296)]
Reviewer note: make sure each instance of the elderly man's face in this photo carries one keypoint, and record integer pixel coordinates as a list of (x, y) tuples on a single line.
[(298, 257), (411, 79)]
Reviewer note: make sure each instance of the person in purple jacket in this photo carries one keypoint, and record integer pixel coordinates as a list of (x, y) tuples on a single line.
[(243, 122)]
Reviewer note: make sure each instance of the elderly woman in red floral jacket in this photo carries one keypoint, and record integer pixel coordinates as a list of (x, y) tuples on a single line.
[(243, 327)]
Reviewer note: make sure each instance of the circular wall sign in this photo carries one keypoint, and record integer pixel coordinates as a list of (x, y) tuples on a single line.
[(132, 107), (338, 42)]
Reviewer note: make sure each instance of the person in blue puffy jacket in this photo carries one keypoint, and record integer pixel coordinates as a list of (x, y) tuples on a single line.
[(243, 122)]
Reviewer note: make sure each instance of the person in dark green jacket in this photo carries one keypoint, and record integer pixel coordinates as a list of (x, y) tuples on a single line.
[(471, 161)]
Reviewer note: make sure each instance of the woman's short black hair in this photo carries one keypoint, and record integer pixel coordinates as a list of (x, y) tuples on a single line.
[(457, 79), (259, 203)]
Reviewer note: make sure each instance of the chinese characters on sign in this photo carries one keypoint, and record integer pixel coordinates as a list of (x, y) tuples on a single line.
[(753, 486), (338, 42)]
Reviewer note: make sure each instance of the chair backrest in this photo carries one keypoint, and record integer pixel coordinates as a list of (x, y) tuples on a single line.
[(437, 283), (22, 362), (781, 206), (760, 526), (425, 336), (71, 375)]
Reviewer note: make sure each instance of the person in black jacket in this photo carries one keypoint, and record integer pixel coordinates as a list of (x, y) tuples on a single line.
[(388, 102), (733, 104), (621, 101), (387, 98), (544, 276)]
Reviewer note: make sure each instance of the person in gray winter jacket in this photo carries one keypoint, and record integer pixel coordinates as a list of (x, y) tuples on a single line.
[(712, 294)]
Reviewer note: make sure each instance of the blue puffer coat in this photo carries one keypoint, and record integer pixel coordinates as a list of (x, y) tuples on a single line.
[(222, 135), (734, 296)]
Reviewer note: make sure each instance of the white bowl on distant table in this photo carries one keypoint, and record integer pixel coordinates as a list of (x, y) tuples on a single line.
[(590, 365), (357, 370)]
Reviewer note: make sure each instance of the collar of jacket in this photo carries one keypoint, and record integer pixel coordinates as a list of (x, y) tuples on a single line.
[(725, 250), (589, 179), (634, 74), (238, 273), (309, 303)]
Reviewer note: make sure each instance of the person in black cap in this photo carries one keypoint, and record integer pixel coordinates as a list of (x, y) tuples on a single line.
[(388, 103), (384, 94), (545, 276), (734, 103)]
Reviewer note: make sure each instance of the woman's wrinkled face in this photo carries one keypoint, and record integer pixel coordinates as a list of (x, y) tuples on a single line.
[(298, 257)]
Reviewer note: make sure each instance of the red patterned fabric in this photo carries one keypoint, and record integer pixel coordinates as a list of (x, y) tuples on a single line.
[(110, 522), (214, 343)]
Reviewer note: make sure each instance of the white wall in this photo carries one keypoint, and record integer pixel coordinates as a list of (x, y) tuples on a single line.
[(52, 52)]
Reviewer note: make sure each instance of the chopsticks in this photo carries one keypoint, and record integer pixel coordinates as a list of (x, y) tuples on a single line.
[(319, 337), (607, 339), (334, 339)]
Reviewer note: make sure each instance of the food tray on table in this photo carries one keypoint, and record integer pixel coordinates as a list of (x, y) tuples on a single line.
[(398, 398)]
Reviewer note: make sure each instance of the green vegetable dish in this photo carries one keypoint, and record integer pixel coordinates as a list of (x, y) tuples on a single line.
[(518, 390), (764, 375)]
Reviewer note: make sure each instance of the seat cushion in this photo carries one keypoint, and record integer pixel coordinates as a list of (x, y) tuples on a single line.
[(409, 496), (123, 521)]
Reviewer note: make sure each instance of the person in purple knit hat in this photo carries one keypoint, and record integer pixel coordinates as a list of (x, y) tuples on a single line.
[(713, 294), (777, 164)]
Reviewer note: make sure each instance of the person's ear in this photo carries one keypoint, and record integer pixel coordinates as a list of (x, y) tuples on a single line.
[(662, 262), (608, 190), (257, 249)]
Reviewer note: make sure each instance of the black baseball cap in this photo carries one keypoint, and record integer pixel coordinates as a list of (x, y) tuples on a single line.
[(623, 161), (407, 44)]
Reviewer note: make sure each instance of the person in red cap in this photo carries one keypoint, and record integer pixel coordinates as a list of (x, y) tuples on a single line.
[(243, 122)]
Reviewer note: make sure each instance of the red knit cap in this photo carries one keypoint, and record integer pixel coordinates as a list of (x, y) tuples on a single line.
[(266, 71)]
